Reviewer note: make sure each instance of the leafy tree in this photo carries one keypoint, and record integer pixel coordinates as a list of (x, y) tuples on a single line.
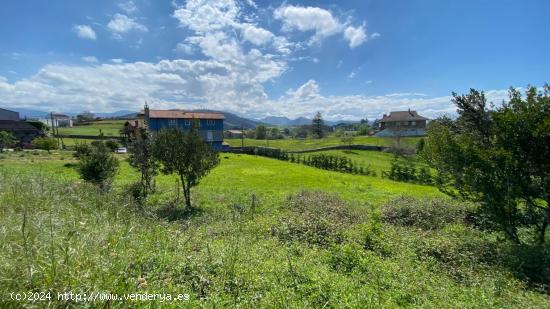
[(111, 144), (286, 131), (347, 139), (6, 139), (85, 117), (141, 158), (363, 129), (185, 154), (261, 132), (39, 125), (46, 143), (275, 133), (498, 158), (98, 165), (300, 131), (317, 124)]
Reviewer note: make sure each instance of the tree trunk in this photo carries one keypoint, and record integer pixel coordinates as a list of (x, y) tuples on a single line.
[(184, 190)]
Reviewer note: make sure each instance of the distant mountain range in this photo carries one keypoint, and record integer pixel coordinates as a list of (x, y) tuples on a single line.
[(284, 121), (232, 121)]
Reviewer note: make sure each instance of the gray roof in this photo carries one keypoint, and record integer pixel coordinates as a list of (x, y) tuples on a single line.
[(12, 125), (402, 116)]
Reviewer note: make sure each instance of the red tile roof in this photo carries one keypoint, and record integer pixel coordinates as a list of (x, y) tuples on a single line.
[(179, 114)]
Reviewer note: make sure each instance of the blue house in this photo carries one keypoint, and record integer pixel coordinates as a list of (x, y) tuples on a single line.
[(210, 124)]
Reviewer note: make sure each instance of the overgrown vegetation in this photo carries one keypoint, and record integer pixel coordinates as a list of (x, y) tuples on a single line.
[(46, 143), (498, 158), (97, 165), (403, 169)]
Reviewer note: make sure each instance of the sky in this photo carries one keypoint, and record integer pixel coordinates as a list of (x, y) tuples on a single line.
[(346, 59)]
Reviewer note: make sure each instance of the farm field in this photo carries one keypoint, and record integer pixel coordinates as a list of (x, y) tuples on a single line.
[(306, 144), (107, 127), (60, 233)]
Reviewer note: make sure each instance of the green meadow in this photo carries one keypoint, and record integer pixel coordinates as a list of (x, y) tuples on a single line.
[(263, 233), (293, 144), (107, 127)]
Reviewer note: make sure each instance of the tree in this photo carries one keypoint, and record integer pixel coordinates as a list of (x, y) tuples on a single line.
[(46, 143), (141, 158), (275, 133), (6, 139), (317, 124), (85, 116), (347, 139), (498, 158), (185, 154), (98, 165), (261, 132)]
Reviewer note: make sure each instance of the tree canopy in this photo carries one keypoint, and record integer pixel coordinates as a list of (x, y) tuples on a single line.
[(498, 157)]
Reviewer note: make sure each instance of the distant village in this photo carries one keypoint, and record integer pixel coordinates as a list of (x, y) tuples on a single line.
[(213, 126)]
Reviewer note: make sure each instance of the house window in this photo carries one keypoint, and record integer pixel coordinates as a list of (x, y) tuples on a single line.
[(187, 122), (209, 136), (210, 123), (413, 123), (172, 123)]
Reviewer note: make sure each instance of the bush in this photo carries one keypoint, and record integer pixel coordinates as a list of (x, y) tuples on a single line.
[(426, 214), (81, 149), (46, 143), (315, 218), (98, 166), (111, 144), (402, 169)]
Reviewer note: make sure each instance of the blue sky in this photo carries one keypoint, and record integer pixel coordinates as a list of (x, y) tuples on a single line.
[(347, 59)]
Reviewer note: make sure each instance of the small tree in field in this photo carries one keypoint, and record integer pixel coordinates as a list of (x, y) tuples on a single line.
[(347, 139), (98, 165), (499, 158), (141, 158), (46, 143), (6, 139), (317, 125), (185, 154)]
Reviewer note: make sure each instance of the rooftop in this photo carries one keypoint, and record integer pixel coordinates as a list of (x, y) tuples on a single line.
[(402, 116), (9, 125), (179, 114)]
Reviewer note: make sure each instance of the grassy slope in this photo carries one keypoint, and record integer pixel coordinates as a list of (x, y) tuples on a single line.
[(108, 127), (76, 239), (303, 144)]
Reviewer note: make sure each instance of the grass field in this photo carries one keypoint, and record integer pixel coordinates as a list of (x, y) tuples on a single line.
[(306, 144), (59, 234), (107, 127)]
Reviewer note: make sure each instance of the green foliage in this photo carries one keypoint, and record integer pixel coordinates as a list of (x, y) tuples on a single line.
[(98, 165), (317, 126), (81, 149), (6, 139), (316, 218), (111, 144), (403, 169), (347, 139), (426, 214), (46, 143), (39, 125), (141, 158), (261, 132), (185, 154), (498, 158)]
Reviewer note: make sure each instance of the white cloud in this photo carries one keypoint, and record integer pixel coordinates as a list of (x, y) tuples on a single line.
[(308, 91), (256, 35), (308, 19), (375, 35), (121, 24), (322, 22), (84, 32), (117, 60), (129, 7), (184, 48), (355, 36), (90, 59), (352, 74)]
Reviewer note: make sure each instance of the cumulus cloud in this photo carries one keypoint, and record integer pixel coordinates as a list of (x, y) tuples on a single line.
[(184, 48), (355, 36), (322, 22), (121, 24), (256, 36), (84, 32)]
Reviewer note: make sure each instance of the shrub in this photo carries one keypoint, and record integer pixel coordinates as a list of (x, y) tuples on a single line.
[(81, 149), (46, 143), (315, 218), (111, 144), (423, 213), (98, 166)]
